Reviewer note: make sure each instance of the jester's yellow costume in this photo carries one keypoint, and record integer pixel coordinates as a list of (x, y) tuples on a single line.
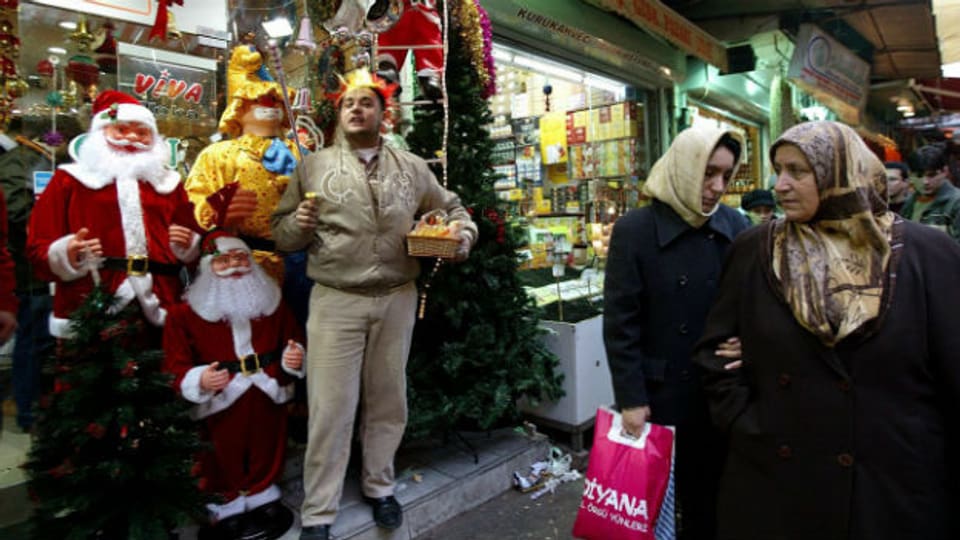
[(248, 161)]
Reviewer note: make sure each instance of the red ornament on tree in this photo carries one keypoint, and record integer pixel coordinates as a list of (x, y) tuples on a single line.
[(45, 68), (83, 70), (60, 387), (130, 369), (96, 430)]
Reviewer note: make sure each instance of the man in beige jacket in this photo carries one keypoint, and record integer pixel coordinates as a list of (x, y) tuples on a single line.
[(362, 307)]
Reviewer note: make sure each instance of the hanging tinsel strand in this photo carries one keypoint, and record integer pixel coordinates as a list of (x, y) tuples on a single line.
[(421, 311), (443, 147), (443, 89)]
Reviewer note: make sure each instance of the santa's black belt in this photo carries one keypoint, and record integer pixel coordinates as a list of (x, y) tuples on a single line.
[(137, 265), (249, 364), (259, 244)]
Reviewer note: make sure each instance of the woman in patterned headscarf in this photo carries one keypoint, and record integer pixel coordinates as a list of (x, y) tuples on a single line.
[(847, 403)]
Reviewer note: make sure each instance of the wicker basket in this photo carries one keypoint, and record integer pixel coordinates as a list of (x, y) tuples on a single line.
[(432, 246)]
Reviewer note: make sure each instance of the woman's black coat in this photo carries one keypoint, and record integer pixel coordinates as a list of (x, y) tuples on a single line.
[(856, 442)]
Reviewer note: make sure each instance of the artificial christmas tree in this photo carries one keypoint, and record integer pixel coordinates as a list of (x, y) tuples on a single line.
[(477, 350), (113, 456)]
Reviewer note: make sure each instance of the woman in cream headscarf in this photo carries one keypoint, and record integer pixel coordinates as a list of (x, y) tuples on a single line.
[(847, 403), (661, 276)]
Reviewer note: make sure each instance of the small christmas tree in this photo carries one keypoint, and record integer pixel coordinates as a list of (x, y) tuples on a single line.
[(113, 456), (478, 349)]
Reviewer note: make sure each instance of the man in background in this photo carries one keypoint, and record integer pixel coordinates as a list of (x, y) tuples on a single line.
[(32, 340), (898, 185), (936, 202), (759, 206)]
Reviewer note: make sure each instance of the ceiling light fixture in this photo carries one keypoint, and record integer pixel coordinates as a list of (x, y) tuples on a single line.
[(602, 83), (548, 69), (277, 28)]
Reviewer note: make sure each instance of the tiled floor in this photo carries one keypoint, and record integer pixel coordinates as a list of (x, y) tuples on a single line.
[(14, 445)]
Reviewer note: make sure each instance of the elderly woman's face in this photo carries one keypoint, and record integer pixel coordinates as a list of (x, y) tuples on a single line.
[(796, 185)]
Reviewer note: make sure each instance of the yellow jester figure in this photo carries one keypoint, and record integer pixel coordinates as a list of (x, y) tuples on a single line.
[(236, 184)]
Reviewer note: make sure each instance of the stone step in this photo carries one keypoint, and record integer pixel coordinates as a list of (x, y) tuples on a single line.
[(434, 483)]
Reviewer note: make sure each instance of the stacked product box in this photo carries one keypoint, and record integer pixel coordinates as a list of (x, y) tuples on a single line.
[(507, 176), (582, 161), (529, 165), (577, 126), (503, 152), (603, 123)]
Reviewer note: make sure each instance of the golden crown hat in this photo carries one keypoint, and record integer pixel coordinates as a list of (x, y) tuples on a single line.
[(247, 80), (363, 78)]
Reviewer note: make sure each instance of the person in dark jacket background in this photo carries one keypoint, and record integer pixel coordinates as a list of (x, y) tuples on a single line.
[(936, 201), (33, 342), (661, 276), (759, 206), (898, 185), (843, 420)]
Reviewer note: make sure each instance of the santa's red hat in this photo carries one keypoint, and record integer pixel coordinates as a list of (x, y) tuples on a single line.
[(115, 106), (219, 241)]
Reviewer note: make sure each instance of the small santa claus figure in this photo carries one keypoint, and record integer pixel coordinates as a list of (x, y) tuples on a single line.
[(234, 349), (110, 216)]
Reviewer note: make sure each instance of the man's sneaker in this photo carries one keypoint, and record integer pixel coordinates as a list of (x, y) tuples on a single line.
[(386, 511)]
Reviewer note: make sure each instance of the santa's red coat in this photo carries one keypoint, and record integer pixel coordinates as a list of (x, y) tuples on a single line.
[(70, 203), (246, 421)]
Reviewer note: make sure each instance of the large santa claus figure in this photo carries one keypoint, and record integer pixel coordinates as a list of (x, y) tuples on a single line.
[(234, 348), (110, 216)]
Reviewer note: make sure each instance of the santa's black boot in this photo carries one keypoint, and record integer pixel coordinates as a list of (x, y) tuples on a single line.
[(273, 519)]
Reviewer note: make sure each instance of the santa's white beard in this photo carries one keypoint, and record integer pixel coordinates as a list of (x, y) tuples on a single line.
[(97, 156), (216, 298)]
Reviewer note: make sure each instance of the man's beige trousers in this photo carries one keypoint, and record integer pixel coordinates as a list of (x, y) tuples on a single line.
[(357, 348)]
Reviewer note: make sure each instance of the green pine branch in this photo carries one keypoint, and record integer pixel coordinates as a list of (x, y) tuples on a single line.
[(479, 349), (114, 449)]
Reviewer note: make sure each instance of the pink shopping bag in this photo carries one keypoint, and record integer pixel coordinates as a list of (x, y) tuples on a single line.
[(626, 481)]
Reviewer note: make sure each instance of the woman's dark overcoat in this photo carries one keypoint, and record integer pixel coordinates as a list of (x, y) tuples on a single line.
[(858, 442), (661, 278)]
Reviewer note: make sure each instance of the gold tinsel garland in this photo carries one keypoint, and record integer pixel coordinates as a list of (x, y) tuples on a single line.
[(468, 18)]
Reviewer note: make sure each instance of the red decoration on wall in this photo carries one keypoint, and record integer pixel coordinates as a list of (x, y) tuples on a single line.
[(159, 29)]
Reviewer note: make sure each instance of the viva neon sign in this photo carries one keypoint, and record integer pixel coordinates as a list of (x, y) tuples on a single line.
[(166, 87)]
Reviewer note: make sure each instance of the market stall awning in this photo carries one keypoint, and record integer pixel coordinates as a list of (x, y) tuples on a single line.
[(947, 13), (939, 95), (901, 35)]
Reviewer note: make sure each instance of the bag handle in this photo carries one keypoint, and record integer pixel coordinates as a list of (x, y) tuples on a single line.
[(618, 435)]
